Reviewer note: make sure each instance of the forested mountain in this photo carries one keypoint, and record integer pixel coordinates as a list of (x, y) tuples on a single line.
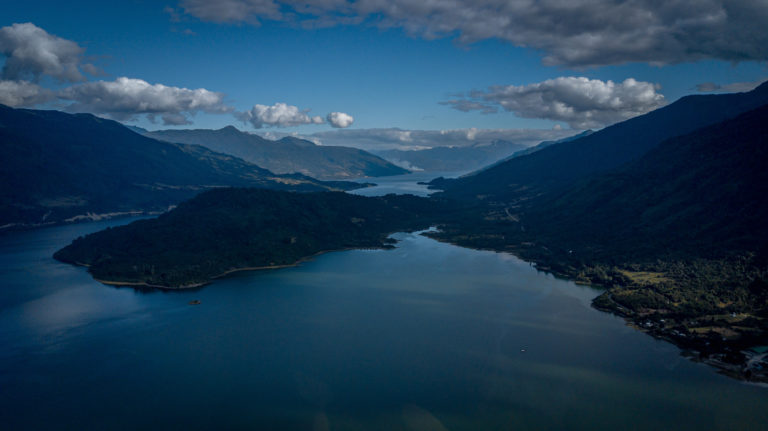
[(704, 194)]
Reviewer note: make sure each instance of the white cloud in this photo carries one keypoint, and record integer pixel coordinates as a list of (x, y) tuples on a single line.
[(31, 52), (581, 102), (23, 93), (734, 87), (277, 115), (125, 98), (340, 120), (571, 33)]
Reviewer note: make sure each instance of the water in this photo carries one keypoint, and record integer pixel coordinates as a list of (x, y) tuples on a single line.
[(428, 336), (403, 184)]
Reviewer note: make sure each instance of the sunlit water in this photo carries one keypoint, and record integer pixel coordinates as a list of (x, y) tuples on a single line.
[(427, 336)]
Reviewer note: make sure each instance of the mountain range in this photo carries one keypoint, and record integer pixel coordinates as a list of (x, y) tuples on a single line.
[(59, 167), (557, 167), (286, 155)]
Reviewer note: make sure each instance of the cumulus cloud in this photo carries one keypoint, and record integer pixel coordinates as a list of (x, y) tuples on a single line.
[(734, 87), (581, 102), (125, 98), (340, 120), (570, 33), (394, 138), (31, 52), (277, 115), (23, 93)]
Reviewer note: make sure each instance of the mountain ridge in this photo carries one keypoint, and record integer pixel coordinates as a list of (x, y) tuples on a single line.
[(286, 155), (58, 166)]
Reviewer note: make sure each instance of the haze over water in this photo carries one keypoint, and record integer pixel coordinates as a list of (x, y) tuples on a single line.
[(427, 336)]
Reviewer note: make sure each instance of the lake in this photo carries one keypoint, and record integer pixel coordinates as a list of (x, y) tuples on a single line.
[(427, 336)]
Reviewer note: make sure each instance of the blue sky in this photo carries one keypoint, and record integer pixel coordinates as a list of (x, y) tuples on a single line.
[(385, 76)]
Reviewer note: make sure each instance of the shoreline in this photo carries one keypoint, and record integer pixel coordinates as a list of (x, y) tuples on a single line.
[(729, 358), (224, 274), (691, 347)]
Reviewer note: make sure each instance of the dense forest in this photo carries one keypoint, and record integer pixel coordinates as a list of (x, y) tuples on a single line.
[(229, 229)]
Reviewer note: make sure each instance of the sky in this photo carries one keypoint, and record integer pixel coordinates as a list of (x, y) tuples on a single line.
[(375, 71)]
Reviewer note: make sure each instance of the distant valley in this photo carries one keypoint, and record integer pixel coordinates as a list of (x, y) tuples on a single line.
[(465, 158), (452, 159)]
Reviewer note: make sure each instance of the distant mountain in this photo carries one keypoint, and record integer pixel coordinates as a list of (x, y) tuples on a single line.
[(452, 159), (59, 166), (558, 166), (546, 144), (287, 155)]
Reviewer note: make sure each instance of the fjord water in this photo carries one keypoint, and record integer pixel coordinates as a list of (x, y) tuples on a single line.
[(427, 336)]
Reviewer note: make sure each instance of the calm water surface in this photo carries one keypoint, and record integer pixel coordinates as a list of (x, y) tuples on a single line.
[(424, 337), (402, 184)]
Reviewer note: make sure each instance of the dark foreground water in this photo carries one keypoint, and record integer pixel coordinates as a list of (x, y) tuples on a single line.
[(424, 337)]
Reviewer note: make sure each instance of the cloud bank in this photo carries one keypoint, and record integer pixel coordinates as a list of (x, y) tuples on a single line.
[(575, 33), (394, 138), (581, 102)]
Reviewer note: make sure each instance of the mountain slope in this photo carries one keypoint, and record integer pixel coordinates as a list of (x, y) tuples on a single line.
[(530, 150), (557, 166), (703, 194), (286, 155), (57, 166)]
